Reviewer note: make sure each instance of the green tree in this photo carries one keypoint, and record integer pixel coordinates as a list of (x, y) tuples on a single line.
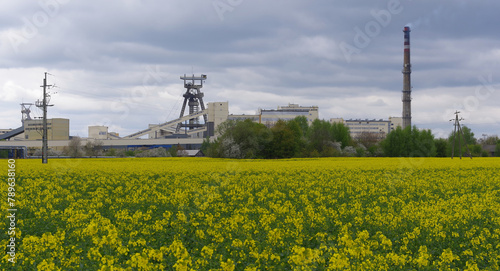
[(303, 124), (340, 133), (461, 140), (319, 135), (442, 147), (410, 142), (207, 147), (283, 143), (497, 150), (287, 140), (242, 139), (476, 150), (394, 144), (423, 143)]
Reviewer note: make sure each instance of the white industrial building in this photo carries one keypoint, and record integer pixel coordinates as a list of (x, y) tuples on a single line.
[(57, 129), (270, 116), (254, 118), (378, 127), (217, 113), (98, 132)]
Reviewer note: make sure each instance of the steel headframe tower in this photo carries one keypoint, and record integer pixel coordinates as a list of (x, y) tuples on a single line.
[(406, 80), (194, 98), (25, 111)]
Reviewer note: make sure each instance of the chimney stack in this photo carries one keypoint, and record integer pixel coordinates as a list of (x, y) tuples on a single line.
[(406, 80)]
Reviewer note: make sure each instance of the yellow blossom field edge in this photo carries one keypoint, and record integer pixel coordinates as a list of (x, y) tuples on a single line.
[(219, 214)]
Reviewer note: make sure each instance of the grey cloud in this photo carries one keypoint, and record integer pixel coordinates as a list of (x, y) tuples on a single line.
[(285, 51)]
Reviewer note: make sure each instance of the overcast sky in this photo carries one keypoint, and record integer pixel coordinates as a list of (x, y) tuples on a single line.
[(117, 63)]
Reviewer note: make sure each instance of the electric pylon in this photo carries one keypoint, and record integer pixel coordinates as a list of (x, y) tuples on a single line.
[(460, 135), (44, 104)]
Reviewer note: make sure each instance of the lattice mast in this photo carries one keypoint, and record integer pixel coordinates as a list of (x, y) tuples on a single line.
[(193, 97), (44, 104), (25, 111), (460, 135)]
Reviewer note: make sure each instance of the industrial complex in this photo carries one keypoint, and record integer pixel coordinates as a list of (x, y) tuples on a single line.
[(196, 121)]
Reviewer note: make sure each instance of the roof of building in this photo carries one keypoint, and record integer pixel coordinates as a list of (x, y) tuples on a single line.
[(490, 148), (191, 153)]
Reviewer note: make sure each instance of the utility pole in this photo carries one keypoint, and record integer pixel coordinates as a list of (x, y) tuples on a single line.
[(43, 104), (458, 129)]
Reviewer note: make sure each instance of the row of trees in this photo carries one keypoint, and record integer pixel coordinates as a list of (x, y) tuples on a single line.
[(286, 139), (295, 138)]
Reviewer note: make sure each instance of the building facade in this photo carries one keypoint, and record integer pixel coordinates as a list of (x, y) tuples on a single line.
[(254, 118), (395, 122), (57, 129), (98, 132), (269, 117), (217, 114), (378, 128)]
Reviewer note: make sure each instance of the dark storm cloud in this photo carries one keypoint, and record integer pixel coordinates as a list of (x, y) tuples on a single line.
[(124, 58)]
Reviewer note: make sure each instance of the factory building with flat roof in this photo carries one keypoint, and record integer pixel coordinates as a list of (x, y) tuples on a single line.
[(269, 117), (379, 127), (57, 129)]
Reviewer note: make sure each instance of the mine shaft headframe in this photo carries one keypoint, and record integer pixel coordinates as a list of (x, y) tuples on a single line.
[(190, 81), (193, 98)]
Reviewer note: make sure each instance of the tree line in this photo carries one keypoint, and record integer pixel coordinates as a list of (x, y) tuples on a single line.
[(245, 139)]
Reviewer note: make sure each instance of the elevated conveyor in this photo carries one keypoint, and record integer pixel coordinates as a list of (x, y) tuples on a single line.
[(167, 125), (12, 133)]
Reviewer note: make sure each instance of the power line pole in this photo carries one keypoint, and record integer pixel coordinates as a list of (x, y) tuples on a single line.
[(458, 129), (44, 105)]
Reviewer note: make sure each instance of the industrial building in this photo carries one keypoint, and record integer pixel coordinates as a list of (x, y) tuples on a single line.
[(189, 131), (217, 114), (57, 129), (254, 118), (101, 132), (269, 117), (98, 132), (379, 127), (396, 122)]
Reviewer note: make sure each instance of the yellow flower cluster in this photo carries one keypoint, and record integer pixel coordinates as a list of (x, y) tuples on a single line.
[(218, 214)]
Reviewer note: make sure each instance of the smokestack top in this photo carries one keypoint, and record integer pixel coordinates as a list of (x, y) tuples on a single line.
[(407, 30)]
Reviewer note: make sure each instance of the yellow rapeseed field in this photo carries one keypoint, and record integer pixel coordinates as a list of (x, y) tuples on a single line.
[(298, 214)]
